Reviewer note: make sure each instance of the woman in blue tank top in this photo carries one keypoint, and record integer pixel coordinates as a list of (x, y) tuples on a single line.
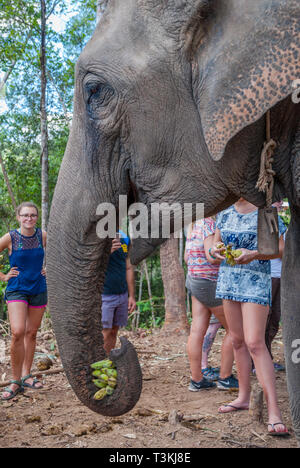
[(26, 295)]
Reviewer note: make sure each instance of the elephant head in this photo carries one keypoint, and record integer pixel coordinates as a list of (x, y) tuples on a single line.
[(169, 106)]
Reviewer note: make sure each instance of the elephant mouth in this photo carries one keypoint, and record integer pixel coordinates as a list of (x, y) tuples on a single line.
[(133, 192)]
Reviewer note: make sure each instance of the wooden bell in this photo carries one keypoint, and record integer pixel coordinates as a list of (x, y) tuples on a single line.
[(268, 231)]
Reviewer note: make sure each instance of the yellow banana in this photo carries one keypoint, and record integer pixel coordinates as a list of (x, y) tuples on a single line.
[(100, 394), (109, 390), (100, 383), (112, 382), (103, 377), (236, 253), (102, 364)]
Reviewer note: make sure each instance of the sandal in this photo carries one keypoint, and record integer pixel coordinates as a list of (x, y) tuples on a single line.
[(275, 433), (233, 409), (13, 393), (33, 385)]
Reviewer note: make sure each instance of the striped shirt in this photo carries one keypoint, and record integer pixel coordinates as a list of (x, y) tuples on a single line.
[(197, 263)]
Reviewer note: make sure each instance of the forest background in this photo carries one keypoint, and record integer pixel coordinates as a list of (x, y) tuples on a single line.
[(40, 42)]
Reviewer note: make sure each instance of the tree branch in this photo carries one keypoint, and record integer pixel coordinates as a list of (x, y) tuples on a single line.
[(55, 3), (7, 74)]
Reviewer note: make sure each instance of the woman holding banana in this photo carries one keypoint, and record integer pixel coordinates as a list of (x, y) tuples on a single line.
[(244, 284), (26, 295), (201, 282)]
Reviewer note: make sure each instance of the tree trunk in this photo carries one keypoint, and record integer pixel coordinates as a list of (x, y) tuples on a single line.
[(149, 291), (6, 76), (60, 98), (13, 200), (44, 127), (174, 287)]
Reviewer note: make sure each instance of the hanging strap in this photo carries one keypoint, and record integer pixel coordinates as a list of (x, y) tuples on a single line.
[(265, 181)]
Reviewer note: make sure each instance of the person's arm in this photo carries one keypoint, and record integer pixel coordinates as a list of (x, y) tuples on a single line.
[(186, 254), (44, 239), (116, 245), (131, 286), (208, 247), (250, 255), (5, 243), (215, 251), (281, 245), (247, 255)]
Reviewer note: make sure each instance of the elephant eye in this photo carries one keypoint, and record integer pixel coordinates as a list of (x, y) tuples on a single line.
[(99, 94)]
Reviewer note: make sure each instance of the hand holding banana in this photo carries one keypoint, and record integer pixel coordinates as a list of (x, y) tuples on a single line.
[(232, 256)]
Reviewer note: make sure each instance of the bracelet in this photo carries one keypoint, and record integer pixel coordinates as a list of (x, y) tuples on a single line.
[(212, 256)]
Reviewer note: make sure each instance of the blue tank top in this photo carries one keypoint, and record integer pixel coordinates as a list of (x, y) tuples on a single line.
[(28, 256)]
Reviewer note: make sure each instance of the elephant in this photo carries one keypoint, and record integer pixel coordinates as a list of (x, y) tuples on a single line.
[(170, 106)]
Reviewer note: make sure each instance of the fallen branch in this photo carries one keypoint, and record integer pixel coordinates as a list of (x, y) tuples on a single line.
[(38, 374)]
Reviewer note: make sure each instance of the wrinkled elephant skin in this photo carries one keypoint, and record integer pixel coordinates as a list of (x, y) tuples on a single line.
[(170, 103)]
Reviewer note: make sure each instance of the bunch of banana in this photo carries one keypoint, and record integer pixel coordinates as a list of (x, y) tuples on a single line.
[(231, 254), (1, 260), (236, 253), (106, 378)]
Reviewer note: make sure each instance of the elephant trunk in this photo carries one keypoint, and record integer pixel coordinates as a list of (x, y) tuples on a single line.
[(76, 264)]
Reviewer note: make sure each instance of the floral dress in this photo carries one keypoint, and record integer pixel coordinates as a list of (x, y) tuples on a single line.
[(243, 283)]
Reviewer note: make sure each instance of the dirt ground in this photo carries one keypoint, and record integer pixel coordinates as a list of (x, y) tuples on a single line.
[(54, 418)]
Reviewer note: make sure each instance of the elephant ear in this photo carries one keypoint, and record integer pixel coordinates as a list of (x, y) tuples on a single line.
[(247, 61)]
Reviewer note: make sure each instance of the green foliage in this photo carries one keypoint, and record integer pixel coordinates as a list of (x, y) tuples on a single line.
[(145, 308), (286, 216), (20, 119)]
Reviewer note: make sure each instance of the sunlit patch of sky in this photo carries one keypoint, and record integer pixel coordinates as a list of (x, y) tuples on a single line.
[(58, 24), (3, 106)]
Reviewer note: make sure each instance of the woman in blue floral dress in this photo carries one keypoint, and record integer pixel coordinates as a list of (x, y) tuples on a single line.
[(246, 292)]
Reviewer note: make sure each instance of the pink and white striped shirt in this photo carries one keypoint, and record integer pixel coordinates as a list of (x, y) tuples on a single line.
[(197, 263)]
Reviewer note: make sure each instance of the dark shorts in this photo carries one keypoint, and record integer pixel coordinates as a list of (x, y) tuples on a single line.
[(204, 290), (114, 310), (35, 301)]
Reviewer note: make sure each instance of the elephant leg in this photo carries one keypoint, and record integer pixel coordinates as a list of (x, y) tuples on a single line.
[(290, 304)]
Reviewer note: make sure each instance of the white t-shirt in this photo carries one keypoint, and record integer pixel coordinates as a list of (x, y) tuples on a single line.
[(276, 265)]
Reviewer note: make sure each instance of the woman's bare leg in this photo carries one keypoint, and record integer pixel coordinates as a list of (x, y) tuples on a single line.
[(201, 317), (17, 312), (110, 338), (33, 323), (234, 318), (255, 318), (227, 356)]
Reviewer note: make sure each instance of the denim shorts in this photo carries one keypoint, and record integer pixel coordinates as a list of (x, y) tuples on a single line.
[(35, 301), (114, 310)]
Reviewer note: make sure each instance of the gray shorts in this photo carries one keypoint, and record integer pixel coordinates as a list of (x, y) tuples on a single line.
[(114, 310), (204, 290)]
